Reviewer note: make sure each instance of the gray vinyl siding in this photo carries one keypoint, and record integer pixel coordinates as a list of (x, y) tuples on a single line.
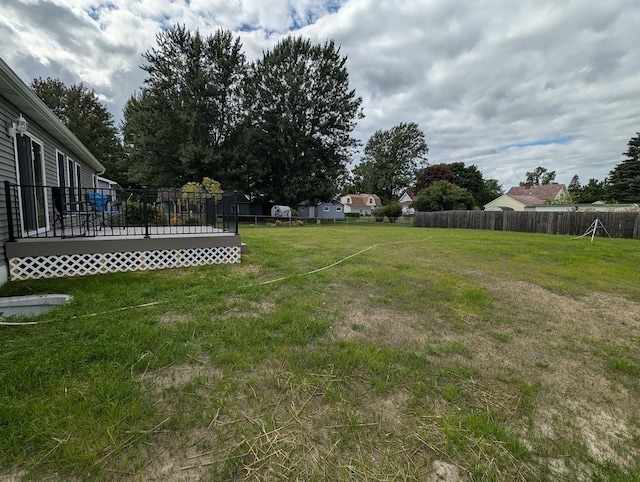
[(335, 211), (8, 114), (7, 168), (331, 213)]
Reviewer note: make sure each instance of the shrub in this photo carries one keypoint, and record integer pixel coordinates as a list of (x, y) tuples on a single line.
[(133, 213), (443, 196), (393, 210), (379, 214), (351, 215)]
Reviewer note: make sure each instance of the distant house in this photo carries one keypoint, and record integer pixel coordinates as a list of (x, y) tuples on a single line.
[(521, 198), (362, 204), (321, 210), (596, 207), (407, 204)]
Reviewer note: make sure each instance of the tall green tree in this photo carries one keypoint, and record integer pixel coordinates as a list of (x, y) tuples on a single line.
[(180, 126), (392, 158), (443, 196), (593, 191), (539, 176), (624, 179), (82, 112), (466, 177), (492, 190), (433, 173), (574, 186), (300, 116)]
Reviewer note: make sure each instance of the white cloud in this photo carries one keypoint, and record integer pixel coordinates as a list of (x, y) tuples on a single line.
[(480, 78)]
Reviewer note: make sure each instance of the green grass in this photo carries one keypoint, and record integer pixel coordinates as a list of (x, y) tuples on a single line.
[(508, 356)]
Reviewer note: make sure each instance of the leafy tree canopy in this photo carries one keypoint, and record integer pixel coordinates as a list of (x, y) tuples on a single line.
[(181, 125), (492, 189), (593, 191), (624, 179), (80, 109), (466, 177), (431, 174), (574, 186), (443, 196), (538, 177), (392, 158), (301, 112)]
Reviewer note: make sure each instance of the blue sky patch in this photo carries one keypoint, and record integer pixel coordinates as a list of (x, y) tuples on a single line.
[(562, 140), (94, 12)]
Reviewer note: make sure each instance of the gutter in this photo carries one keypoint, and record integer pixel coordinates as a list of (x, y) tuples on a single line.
[(28, 102)]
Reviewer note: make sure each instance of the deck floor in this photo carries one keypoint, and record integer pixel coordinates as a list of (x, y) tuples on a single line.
[(125, 232)]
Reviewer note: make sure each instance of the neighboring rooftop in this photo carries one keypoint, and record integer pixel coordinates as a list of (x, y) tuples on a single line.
[(542, 193)]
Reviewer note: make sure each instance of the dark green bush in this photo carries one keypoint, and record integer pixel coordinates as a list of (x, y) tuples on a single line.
[(379, 214), (393, 211), (133, 213)]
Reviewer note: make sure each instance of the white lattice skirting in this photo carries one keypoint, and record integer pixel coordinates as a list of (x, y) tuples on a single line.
[(100, 263)]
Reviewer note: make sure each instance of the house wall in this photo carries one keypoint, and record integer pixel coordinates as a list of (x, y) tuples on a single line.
[(336, 211), (8, 114), (505, 201), (601, 208), (305, 211), (363, 210), (7, 173)]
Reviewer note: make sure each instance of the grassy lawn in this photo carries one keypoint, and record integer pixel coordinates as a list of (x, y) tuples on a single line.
[(417, 354)]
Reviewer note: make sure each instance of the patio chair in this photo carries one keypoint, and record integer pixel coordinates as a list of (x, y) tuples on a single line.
[(104, 207), (78, 216)]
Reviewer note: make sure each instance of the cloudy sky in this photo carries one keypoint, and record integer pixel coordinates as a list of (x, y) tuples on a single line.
[(505, 85)]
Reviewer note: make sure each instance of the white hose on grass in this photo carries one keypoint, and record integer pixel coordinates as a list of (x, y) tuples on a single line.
[(262, 283)]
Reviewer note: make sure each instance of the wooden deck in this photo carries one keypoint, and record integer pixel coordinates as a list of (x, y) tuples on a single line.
[(87, 255)]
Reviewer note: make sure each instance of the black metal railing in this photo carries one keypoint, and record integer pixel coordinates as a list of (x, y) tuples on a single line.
[(65, 212)]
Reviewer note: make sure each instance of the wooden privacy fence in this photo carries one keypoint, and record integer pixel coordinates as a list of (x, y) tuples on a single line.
[(618, 225)]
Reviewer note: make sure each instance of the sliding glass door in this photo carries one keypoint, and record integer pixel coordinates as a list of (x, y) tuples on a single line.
[(31, 178)]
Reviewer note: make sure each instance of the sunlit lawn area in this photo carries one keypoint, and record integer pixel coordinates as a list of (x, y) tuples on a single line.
[(414, 353)]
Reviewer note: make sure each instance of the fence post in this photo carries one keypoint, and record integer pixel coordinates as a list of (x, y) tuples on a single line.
[(235, 209), (7, 197), (145, 216)]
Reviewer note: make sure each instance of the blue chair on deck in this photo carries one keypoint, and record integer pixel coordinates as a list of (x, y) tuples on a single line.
[(103, 207)]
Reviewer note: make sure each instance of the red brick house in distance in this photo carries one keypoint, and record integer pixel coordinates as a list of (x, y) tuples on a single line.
[(360, 203)]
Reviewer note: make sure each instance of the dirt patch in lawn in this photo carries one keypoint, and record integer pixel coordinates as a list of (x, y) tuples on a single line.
[(273, 426), (558, 342), (380, 325), (245, 269), (176, 376), (242, 308), (549, 345), (173, 317)]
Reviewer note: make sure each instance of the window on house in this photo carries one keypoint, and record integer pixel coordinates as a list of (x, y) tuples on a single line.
[(74, 182), (326, 209), (348, 200), (62, 178), (338, 209)]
